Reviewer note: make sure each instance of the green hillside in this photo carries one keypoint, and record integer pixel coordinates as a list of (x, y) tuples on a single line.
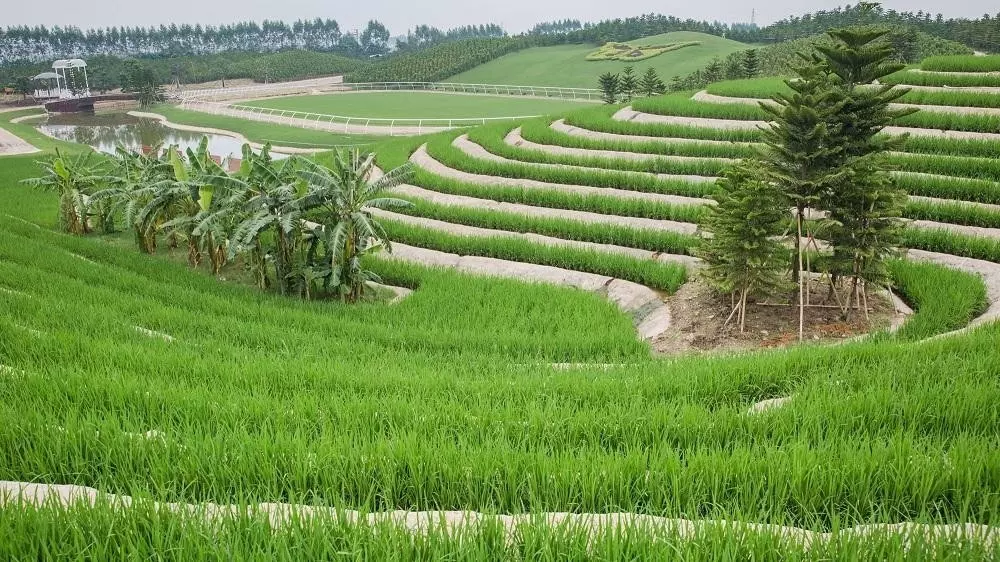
[(566, 65)]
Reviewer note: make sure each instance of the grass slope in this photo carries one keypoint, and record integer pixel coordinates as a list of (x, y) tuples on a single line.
[(566, 65), (418, 105)]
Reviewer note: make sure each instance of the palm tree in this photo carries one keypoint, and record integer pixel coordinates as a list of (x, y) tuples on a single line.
[(341, 199), (73, 178)]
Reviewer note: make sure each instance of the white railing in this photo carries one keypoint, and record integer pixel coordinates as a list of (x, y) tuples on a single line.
[(582, 94), (589, 94), (340, 123), (327, 83)]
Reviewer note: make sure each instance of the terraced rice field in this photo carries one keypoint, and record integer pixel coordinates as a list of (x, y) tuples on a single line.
[(501, 406)]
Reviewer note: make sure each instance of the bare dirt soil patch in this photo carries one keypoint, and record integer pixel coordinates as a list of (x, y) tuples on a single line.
[(699, 317)]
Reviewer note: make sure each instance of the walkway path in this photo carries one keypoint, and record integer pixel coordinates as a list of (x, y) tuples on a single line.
[(422, 522), (11, 144)]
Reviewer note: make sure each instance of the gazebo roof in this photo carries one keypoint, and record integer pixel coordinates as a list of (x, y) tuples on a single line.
[(69, 63), (45, 76)]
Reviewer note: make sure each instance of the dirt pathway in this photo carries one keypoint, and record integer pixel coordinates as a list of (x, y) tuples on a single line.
[(11, 144), (594, 524)]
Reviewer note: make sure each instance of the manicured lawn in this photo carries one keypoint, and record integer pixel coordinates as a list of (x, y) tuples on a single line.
[(420, 105), (262, 132), (566, 65)]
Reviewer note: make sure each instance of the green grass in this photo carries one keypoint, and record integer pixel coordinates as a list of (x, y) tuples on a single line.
[(418, 105), (256, 131), (566, 65), (27, 132)]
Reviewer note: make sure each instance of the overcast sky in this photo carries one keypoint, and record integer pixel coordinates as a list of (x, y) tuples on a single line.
[(400, 15)]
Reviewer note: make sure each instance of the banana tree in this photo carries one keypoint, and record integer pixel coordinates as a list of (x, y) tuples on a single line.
[(198, 180), (263, 206), (131, 184), (73, 179), (341, 198)]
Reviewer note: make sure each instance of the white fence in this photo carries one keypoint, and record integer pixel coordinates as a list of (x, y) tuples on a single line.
[(583, 94), (339, 123), (580, 94)]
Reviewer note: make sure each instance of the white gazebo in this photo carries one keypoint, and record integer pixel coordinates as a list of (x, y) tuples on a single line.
[(61, 67), (45, 90)]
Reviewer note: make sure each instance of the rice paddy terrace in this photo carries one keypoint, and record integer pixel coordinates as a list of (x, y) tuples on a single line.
[(485, 416)]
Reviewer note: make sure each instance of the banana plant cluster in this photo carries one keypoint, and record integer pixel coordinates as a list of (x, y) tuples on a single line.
[(299, 227)]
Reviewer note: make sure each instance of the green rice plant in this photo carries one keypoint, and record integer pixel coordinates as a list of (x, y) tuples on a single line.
[(441, 149), (946, 165), (766, 88), (681, 104), (599, 119), (759, 88), (963, 189), (955, 147), (954, 213), (664, 276), (955, 99), (392, 154), (491, 137), (539, 131), (652, 240), (962, 63), (951, 122), (947, 242), (945, 299), (905, 78)]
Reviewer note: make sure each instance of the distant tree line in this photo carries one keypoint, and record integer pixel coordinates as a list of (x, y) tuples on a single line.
[(40, 43), (424, 36)]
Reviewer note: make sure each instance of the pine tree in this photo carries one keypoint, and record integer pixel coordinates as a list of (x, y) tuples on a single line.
[(864, 206), (677, 83), (743, 257), (751, 64), (628, 84), (799, 157), (651, 85), (712, 72), (610, 87)]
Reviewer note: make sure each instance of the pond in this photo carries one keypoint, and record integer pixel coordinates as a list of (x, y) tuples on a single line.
[(104, 131)]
